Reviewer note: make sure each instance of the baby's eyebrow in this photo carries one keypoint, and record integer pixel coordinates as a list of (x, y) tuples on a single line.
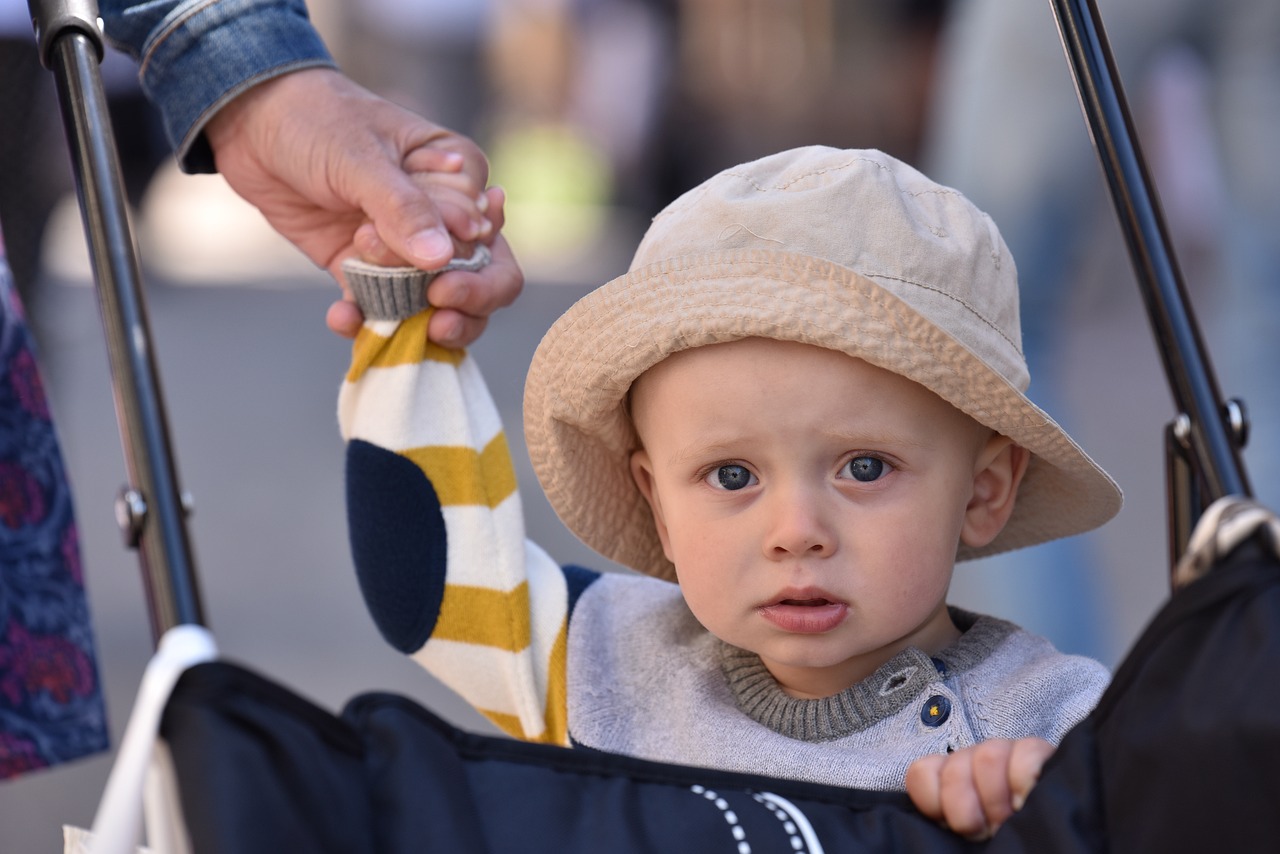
[(880, 438), (708, 450), (871, 439)]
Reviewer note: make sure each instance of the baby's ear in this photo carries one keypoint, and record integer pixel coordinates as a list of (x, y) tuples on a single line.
[(642, 474), (1000, 468)]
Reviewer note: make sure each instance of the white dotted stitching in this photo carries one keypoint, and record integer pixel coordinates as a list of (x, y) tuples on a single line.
[(797, 843), (730, 817)]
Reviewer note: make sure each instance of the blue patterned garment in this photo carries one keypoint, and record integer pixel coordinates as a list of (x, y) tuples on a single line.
[(51, 707)]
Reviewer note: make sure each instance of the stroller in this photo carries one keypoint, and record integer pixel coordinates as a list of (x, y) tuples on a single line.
[(245, 765)]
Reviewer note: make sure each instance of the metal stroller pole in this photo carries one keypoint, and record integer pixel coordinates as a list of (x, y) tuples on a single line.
[(1204, 441), (150, 511)]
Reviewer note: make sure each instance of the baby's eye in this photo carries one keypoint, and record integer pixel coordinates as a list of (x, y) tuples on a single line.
[(866, 469), (731, 476)]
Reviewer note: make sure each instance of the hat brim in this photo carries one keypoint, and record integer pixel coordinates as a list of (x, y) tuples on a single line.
[(580, 437)]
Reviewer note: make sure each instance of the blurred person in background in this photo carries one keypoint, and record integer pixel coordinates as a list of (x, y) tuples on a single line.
[(30, 192), (27, 193), (1005, 128), (425, 55), (604, 110), (820, 71)]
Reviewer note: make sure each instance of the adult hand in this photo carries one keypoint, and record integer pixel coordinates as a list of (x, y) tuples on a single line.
[(975, 790), (340, 171)]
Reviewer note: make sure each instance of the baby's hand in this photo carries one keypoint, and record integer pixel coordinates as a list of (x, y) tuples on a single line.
[(975, 790), (463, 298)]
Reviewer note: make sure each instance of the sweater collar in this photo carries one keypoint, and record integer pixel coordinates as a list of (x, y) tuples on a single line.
[(894, 685)]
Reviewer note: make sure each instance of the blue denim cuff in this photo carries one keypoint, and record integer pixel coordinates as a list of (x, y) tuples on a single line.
[(199, 54)]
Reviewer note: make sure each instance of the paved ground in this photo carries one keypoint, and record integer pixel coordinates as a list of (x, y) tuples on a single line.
[(251, 375)]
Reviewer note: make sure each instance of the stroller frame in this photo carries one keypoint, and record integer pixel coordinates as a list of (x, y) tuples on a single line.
[(150, 511), (1203, 442)]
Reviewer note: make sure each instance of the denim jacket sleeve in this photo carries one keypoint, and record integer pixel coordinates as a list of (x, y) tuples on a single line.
[(196, 55)]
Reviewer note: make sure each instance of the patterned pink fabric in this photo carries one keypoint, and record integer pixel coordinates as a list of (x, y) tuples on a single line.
[(51, 707)]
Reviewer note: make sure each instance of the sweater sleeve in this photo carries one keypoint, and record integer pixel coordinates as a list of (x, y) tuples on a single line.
[(437, 531)]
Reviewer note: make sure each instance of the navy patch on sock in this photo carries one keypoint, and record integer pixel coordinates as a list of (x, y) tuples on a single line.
[(578, 579), (398, 543)]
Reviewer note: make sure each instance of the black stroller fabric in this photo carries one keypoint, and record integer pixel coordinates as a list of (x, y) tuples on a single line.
[(1179, 756), (262, 770)]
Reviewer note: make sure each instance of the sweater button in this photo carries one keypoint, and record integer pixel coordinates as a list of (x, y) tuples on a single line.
[(935, 710)]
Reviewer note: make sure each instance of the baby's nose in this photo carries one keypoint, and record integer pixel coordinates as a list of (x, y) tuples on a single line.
[(800, 527)]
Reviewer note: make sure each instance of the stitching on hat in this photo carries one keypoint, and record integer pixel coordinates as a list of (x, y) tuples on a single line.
[(797, 179), (993, 235), (953, 298), (936, 191), (729, 230)]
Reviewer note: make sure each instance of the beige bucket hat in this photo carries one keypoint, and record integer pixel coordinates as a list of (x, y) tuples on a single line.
[(853, 251)]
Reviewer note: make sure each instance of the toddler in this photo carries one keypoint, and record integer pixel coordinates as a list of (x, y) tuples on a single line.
[(802, 405)]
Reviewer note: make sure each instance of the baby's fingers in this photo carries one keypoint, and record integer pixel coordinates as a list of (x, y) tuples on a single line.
[(972, 791), (1025, 763), (924, 785), (991, 773), (464, 300), (1004, 772), (462, 213), (431, 158), (451, 156), (963, 807)]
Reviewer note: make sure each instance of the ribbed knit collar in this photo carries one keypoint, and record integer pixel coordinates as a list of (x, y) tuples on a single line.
[(896, 683)]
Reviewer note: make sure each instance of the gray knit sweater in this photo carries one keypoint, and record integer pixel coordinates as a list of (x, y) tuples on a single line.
[(646, 679)]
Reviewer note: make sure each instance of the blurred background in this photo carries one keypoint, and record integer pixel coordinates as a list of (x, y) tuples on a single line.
[(596, 113)]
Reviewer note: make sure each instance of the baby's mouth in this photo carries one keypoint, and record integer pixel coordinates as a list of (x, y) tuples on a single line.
[(806, 613), (802, 597)]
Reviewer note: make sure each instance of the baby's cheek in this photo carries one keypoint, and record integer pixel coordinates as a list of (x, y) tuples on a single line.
[(707, 607)]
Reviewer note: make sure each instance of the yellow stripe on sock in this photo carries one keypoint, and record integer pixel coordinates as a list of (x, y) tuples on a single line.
[(461, 476), (408, 346), (557, 708), (481, 615), (556, 716)]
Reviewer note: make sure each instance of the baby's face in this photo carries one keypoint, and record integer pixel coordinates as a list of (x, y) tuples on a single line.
[(811, 503)]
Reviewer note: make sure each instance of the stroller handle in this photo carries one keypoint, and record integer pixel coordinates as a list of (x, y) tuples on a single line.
[(1207, 433), (151, 511)]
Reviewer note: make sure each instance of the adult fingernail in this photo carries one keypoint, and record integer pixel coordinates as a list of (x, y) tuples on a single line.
[(431, 247), (1018, 800), (482, 202)]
